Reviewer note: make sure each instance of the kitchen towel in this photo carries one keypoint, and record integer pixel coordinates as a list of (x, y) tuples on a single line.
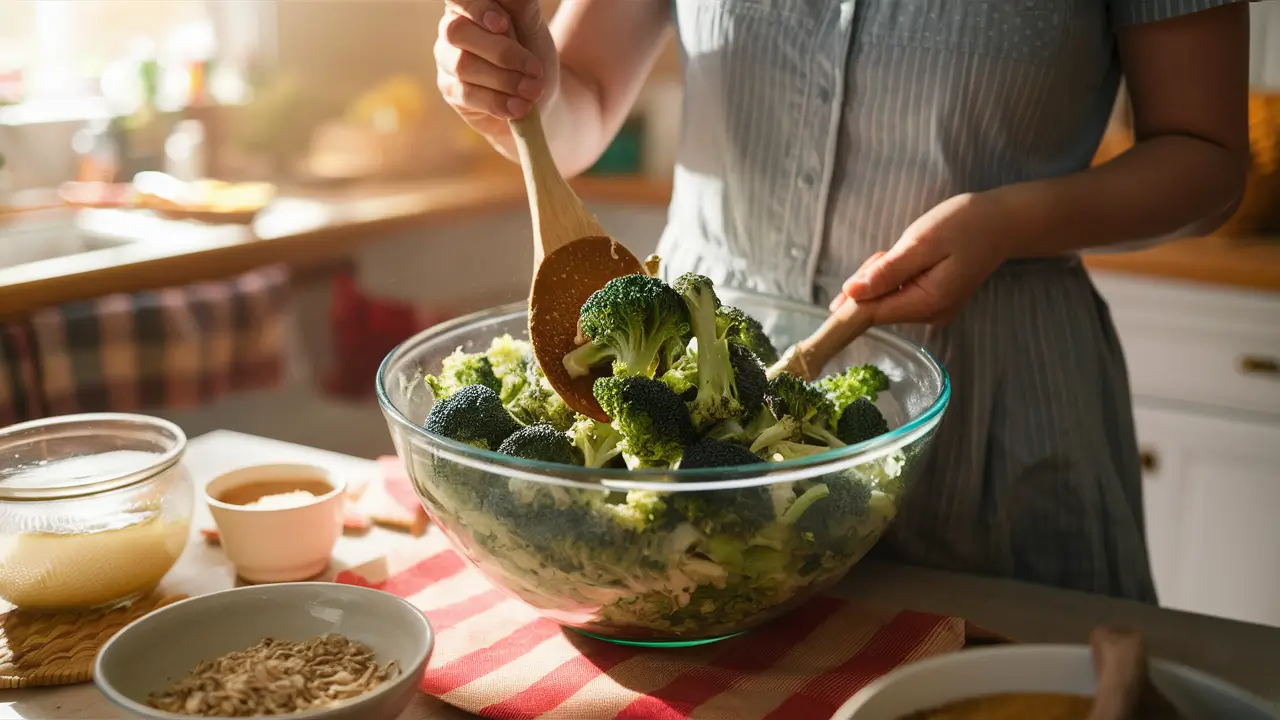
[(498, 658), (171, 348)]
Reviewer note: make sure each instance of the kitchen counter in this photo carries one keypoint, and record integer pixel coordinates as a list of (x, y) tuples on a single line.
[(312, 227), (1247, 655), (303, 228)]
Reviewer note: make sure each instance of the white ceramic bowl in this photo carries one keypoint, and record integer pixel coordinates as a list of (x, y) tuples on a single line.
[(163, 646), (278, 544), (1038, 668)]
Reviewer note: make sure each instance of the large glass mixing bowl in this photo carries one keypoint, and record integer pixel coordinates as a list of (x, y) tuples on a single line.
[(667, 583)]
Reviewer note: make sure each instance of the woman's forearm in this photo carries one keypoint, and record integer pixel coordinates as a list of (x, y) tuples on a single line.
[(1188, 82), (607, 49), (1164, 187)]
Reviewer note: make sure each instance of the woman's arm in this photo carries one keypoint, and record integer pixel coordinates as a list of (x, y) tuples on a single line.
[(607, 48), (1188, 82)]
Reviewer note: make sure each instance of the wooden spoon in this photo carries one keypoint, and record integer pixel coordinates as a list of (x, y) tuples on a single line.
[(1124, 689), (806, 358), (573, 258)]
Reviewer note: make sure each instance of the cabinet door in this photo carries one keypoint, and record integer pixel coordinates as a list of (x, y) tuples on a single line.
[(1212, 499)]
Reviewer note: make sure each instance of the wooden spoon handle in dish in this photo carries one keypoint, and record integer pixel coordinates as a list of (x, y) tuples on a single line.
[(1124, 686), (559, 216), (806, 358)]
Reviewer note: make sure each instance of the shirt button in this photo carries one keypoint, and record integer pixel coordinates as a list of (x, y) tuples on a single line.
[(824, 95), (797, 252), (808, 178)]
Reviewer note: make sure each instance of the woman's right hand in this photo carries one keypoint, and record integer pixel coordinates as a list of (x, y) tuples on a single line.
[(488, 77)]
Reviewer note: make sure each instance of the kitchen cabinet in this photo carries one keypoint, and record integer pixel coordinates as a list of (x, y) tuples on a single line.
[(1211, 491), (1204, 366)]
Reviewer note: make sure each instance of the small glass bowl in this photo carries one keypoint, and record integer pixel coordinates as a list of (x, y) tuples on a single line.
[(657, 587), (94, 509)]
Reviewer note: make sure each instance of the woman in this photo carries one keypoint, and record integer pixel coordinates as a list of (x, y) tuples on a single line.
[(931, 159)]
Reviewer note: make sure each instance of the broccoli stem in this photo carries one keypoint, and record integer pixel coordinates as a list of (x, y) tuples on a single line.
[(581, 359), (802, 503), (715, 378), (820, 433), (784, 429)]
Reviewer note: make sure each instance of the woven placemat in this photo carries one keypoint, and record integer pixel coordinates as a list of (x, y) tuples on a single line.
[(58, 648)]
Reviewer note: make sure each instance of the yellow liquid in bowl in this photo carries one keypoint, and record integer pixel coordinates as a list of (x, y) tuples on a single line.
[(63, 571)]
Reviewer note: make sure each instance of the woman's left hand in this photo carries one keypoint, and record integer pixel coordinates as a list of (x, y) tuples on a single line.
[(939, 262)]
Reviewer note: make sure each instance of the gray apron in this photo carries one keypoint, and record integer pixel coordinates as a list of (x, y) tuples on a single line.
[(816, 131)]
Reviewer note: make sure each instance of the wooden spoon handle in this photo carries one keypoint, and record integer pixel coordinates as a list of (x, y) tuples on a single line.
[(559, 216), (813, 353), (1119, 660)]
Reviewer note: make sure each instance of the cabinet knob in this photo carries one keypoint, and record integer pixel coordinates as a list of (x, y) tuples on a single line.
[(1256, 365), (1149, 460)]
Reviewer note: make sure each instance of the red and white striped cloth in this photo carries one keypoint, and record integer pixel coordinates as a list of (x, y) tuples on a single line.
[(496, 657)]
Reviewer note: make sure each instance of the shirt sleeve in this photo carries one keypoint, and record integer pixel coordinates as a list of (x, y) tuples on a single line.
[(1137, 12)]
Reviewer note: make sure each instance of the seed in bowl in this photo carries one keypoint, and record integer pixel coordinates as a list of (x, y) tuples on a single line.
[(277, 677)]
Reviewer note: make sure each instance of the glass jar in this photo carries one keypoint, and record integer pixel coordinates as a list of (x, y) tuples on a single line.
[(94, 509)]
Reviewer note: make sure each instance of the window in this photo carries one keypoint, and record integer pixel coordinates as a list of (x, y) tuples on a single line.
[(60, 52)]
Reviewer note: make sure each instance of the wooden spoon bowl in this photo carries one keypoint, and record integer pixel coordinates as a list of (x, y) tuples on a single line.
[(565, 279)]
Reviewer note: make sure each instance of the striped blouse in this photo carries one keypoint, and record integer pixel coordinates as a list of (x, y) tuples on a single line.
[(816, 131)]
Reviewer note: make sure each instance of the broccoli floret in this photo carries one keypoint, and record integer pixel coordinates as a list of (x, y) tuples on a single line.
[(680, 367), (789, 395), (855, 382), (535, 401), (569, 528), (709, 453), (717, 397), (723, 511), (473, 415), (461, 369), (748, 377), (834, 516), (726, 514), (860, 421), (598, 442), (654, 422), (737, 326), (541, 442), (508, 355), (628, 321)]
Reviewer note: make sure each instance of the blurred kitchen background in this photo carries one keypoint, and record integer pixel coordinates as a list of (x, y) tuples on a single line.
[(232, 209)]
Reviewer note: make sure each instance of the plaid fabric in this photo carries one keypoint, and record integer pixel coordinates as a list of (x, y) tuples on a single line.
[(496, 657), (172, 348), (365, 329)]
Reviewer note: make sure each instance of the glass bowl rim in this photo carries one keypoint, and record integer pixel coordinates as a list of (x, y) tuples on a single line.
[(626, 480)]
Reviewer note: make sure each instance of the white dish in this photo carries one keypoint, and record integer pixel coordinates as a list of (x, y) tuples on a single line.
[(161, 647), (278, 544), (1038, 668)]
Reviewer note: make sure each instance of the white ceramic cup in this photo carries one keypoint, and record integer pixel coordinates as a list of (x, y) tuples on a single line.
[(278, 544)]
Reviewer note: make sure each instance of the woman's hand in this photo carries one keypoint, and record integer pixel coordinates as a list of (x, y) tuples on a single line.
[(939, 262), (485, 75)]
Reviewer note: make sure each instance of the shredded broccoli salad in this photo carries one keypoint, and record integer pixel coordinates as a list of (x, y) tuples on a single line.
[(682, 378)]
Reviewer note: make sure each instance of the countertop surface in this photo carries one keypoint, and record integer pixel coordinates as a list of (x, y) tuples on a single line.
[(315, 226), (1248, 655)]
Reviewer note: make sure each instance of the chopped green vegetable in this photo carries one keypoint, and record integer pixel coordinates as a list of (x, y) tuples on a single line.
[(685, 387), (653, 421), (460, 370), (541, 442), (627, 322), (473, 415), (860, 421)]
